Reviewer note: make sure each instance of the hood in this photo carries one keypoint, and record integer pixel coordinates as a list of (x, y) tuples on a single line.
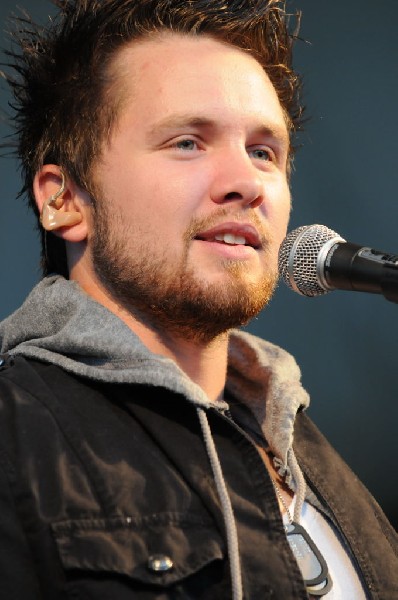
[(60, 324)]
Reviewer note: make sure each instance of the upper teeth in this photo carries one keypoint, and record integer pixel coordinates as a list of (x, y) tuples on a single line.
[(230, 238)]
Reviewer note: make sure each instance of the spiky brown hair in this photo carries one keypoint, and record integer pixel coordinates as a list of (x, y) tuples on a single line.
[(60, 79)]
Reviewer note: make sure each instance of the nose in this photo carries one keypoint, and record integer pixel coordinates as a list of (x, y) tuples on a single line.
[(237, 179)]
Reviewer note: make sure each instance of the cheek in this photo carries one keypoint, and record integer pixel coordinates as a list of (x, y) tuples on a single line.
[(171, 185), (276, 209), (177, 196), (283, 220)]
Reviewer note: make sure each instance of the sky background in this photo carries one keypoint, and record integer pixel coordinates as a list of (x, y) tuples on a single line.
[(346, 177)]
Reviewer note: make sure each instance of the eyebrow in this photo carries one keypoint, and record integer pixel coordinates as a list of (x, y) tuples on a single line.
[(179, 122), (275, 130)]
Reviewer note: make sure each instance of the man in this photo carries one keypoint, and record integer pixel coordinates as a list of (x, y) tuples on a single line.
[(147, 447)]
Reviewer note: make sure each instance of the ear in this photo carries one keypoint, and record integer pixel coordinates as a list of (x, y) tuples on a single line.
[(64, 207)]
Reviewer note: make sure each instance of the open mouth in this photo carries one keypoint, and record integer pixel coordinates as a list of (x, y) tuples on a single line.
[(227, 238), (234, 234)]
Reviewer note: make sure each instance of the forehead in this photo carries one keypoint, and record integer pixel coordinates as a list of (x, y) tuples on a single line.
[(163, 76)]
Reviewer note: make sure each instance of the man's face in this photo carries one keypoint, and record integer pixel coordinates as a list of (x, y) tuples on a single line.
[(192, 194)]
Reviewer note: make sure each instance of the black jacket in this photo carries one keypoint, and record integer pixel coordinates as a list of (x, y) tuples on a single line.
[(104, 483)]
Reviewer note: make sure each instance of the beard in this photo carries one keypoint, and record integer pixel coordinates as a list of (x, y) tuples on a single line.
[(169, 296)]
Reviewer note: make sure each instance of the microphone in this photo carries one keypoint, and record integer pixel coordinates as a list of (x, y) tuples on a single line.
[(314, 260)]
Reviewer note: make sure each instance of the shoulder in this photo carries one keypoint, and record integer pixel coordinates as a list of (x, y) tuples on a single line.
[(43, 408)]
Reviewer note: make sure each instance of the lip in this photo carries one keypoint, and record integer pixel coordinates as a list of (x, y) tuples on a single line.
[(248, 231)]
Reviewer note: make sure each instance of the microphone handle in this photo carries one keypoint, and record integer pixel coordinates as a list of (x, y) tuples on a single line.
[(357, 268)]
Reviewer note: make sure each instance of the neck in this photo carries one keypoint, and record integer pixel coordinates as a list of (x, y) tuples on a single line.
[(205, 363)]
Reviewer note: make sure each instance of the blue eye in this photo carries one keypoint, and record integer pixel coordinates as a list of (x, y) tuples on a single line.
[(261, 154), (186, 144)]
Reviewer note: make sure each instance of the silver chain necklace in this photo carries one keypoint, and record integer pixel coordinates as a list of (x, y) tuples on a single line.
[(312, 565)]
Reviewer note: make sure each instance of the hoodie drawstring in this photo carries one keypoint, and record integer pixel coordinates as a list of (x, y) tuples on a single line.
[(299, 480), (228, 515)]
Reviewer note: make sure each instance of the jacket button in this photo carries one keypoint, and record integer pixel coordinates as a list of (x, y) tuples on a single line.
[(160, 563)]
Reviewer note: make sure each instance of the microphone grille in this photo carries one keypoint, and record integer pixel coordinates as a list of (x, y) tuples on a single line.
[(298, 258)]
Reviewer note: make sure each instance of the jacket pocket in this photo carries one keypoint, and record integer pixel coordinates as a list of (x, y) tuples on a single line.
[(157, 550)]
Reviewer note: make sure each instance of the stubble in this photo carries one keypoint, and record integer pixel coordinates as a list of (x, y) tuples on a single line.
[(170, 296)]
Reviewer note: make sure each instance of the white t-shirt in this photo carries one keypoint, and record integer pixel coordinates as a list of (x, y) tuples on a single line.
[(346, 583)]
